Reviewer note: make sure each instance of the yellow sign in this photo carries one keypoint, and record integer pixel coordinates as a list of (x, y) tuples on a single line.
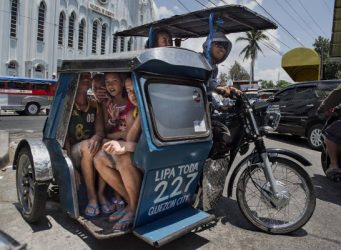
[(101, 10)]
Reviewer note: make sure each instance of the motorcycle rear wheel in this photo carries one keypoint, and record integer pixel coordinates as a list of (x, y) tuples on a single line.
[(272, 214)]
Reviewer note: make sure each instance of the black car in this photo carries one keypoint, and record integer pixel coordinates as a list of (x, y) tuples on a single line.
[(298, 104)]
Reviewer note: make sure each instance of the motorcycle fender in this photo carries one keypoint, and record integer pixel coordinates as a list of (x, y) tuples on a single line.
[(41, 159), (256, 158)]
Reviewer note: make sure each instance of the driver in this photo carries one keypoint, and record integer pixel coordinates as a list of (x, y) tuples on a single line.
[(332, 132), (220, 49)]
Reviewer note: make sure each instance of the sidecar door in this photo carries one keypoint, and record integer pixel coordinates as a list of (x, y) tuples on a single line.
[(174, 144)]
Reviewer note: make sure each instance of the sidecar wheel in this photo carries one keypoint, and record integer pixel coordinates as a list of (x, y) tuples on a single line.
[(286, 213), (31, 195)]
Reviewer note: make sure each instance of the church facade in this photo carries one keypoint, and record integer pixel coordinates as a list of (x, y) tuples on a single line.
[(37, 34)]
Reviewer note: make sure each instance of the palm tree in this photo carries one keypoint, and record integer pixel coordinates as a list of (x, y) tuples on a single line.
[(251, 50)]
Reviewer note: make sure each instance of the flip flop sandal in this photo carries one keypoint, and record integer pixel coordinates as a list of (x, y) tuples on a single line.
[(106, 208), (118, 212), (127, 228), (118, 204), (333, 174), (94, 208)]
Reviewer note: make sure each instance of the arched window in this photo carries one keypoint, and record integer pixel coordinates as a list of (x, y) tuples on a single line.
[(12, 68), (114, 43), (103, 36), (14, 18), (130, 42), (61, 28), (71, 29), (38, 68), (41, 21), (122, 44), (81, 35), (94, 37)]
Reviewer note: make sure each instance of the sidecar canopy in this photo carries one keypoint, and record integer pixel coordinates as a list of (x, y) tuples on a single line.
[(229, 19)]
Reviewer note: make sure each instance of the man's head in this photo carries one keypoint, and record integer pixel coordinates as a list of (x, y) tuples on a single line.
[(130, 91), (161, 38), (220, 47), (84, 83), (113, 83), (98, 87)]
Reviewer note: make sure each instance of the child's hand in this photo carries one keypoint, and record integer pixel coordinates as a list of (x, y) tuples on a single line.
[(113, 112), (114, 147)]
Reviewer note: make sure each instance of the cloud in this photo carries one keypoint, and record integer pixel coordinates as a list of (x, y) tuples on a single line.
[(273, 74), (163, 12)]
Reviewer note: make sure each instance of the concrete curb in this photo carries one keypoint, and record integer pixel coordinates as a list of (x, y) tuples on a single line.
[(4, 148)]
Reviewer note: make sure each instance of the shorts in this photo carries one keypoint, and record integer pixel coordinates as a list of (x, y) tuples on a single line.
[(333, 132)]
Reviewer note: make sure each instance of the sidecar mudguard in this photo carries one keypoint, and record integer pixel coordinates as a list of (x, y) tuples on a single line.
[(272, 152)]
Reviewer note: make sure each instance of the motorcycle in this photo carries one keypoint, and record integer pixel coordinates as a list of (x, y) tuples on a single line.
[(270, 184), (325, 160)]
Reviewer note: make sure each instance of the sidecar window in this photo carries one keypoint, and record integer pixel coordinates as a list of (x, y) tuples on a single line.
[(177, 111)]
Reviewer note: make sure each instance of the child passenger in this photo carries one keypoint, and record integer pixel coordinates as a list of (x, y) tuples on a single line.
[(114, 163)]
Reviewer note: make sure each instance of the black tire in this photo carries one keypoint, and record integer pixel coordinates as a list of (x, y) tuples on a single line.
[(31, 195), (278, 226), (32, 108), (314, 137)]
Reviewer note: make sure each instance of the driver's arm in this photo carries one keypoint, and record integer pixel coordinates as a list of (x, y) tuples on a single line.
[(332, 100)]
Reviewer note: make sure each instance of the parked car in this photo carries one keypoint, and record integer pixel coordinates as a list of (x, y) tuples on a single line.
[(252, 95), (298, 104), (264, 94)]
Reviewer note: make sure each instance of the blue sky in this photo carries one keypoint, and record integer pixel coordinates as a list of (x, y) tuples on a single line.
[(314, 19)]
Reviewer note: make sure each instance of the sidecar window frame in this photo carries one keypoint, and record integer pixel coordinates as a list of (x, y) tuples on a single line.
[(181, 82)]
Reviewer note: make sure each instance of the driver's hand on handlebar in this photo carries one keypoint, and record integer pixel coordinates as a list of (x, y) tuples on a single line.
[(226, 91)]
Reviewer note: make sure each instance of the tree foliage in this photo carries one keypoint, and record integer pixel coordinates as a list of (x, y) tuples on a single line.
[(237, 72), (267, 84), (281, 84), (253, 38), (331, 70)]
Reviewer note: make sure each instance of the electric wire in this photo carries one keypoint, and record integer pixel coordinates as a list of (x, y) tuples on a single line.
[(279, 24), (183, 5), (299, 1), (325, 3), (265, 31), (300, 16), (294, 18)]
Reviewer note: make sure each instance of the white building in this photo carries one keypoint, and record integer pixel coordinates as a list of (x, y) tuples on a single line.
[(35, 34)]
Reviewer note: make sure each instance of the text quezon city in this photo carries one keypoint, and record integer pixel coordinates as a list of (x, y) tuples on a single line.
[(180, 179)]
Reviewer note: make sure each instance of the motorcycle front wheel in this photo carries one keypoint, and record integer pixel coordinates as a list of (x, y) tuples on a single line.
[(290, 210)]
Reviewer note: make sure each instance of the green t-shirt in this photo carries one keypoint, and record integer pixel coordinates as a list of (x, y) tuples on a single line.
[(82, 123)]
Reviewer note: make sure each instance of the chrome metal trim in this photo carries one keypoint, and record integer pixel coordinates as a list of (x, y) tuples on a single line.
[(41, 160), (74, 188)]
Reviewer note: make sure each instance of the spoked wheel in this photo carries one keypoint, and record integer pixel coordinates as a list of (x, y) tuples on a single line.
[(31, 196), (287, 212)]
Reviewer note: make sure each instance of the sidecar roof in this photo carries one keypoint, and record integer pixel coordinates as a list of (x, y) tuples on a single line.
[(163, 61), (236, 18)]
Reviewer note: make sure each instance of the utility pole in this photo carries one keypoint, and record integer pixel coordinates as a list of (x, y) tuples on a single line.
[(321, 63)]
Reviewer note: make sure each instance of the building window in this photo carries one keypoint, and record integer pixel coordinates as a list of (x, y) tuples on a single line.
[(122, 44), (114, 44), (14, 18), (94, 37), (103, 36), (61, 28), (71, 30), (12, 69), (81, 35), (41, 21), (130, 42), (39, 68)]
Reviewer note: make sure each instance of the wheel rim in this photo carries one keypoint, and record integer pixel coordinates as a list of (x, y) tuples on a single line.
[(295, 199), (25, 184), (33, 109), (315, 137)]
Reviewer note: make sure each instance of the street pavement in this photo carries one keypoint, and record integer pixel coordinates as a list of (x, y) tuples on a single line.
[(230, 231)]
